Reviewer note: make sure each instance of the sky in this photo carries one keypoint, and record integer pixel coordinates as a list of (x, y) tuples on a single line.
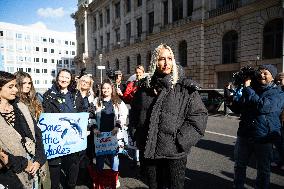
[(50, 14)]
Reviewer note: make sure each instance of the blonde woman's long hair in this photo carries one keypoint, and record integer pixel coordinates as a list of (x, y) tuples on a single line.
[(90, 92), (154, 62)]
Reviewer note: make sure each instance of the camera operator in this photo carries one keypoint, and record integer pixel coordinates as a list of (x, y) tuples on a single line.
[(260, 107)]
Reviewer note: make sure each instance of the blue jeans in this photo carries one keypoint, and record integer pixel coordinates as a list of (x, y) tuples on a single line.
[(113, 159), (242, 153)]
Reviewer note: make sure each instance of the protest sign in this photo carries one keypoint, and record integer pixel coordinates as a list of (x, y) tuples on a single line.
[(105, 144), (63, 133)]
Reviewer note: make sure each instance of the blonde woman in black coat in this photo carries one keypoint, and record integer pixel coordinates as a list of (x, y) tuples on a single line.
[(168, 117)]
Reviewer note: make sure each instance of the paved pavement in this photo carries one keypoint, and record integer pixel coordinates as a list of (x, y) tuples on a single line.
[(210, 163)]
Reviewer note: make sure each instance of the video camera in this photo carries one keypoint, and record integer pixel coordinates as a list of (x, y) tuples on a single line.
[(245, 73)]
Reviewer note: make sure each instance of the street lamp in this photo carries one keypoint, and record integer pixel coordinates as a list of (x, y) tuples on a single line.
[(100, 67)]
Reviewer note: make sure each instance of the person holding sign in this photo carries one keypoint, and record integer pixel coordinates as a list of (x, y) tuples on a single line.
[(63, 98), (111, 114), (22, 153)]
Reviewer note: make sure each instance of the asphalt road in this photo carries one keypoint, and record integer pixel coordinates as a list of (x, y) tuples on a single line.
[(210, 163)]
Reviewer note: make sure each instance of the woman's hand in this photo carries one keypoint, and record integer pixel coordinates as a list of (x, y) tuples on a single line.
[(34, 168), (97, 132), (114, 131), (4, 158)]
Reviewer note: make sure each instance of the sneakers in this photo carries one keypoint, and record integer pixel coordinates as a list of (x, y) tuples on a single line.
[(117, 183)]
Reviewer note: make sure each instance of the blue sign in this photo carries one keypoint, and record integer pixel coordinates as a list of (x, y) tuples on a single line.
[(106, 143), (63, 133)]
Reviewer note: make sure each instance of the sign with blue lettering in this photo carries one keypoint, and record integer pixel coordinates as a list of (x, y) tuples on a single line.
[(105, 144), (63, 133)]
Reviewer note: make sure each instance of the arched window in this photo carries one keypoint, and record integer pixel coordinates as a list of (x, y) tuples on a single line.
[(230, 46), (138, 59), (272, 39), (117, 64), (128, 65), (182, 49)]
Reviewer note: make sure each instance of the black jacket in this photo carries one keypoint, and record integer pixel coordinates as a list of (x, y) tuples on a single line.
[(167, 125)]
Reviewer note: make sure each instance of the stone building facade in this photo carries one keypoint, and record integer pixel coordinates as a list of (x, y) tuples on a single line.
[(211, 39)]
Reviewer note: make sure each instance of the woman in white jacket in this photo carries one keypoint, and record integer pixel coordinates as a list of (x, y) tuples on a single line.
[(111, 115)]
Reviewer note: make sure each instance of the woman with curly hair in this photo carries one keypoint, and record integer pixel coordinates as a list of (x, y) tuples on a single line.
[(168, 117), (27, 94)]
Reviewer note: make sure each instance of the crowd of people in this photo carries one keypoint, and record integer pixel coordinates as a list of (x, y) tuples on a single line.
[(162, 112)]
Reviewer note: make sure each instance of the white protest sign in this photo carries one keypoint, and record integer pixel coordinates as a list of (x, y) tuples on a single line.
[(63, 133)]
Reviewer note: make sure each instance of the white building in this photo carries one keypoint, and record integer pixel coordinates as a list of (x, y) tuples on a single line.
[(39, 52)]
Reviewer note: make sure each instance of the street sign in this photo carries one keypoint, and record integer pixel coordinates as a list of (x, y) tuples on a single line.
[(101, 67)]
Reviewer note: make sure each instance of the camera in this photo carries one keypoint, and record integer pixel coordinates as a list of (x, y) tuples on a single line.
[(110, 74), (245, 73)]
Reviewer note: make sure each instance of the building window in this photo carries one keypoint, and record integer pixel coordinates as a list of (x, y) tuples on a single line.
[(128, 5), (37, 70), (1, 34), (139, 3), (222, 3), (82, 30), (36, 60), (117, 64), (177, 10), (230, 45), (52, 51), (95, 23), (128, 65), (44, 49), (44, 39), (73, 52), (138, 59), (151, 22), (117, 10), (73, 43), (66, 42), (52, 61), (102, 41), (37, 48), (101, 20), (139, 27), (108, 16), (108, 40), (272, 39), (29, 70), (182, 49), (96, 45), (166, 12), (128, 32), (44, 60), (44, 71), (189, 7), (117, 36)]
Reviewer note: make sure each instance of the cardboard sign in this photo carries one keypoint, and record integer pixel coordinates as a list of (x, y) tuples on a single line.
[(63, 133), (105, 144)]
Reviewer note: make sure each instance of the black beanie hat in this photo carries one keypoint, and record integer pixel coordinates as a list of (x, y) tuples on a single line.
[(272, 69)]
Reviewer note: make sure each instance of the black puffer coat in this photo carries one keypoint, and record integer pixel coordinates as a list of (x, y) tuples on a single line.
[(167, 120)]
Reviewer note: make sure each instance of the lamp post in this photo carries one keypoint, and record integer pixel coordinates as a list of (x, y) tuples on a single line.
[(100, 67)]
